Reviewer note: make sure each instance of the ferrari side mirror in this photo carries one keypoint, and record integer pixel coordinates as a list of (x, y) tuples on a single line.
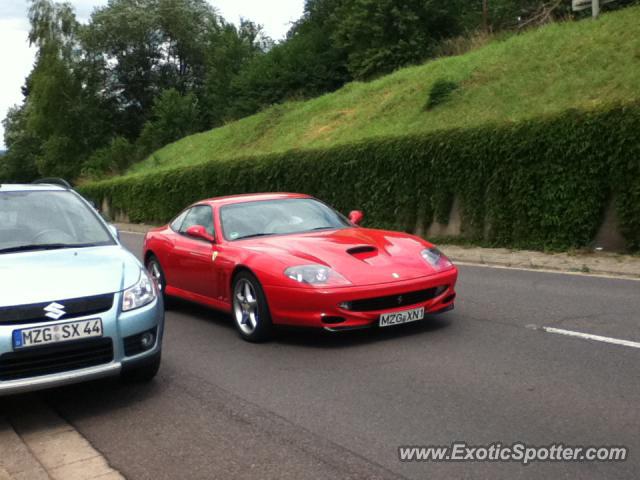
[(198, 231), (356, 217)]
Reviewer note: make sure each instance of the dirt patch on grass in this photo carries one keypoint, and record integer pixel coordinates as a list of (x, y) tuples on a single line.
[(324, 130)]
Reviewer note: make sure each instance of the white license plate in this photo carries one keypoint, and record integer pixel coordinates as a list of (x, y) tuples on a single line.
[(406, 316), (58, 333)]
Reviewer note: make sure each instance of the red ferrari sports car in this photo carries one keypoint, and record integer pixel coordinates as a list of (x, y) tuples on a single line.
[(289, 259)]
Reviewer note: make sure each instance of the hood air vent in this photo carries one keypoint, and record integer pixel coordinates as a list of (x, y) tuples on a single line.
[(362, 252)]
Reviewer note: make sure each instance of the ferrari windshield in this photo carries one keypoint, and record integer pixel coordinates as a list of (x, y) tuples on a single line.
[(278, 217), (47, 220)]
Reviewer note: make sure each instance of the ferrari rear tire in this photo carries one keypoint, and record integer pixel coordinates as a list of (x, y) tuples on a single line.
[(250, 309)]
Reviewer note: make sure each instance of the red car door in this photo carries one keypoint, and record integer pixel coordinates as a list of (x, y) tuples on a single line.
[(193, 265)]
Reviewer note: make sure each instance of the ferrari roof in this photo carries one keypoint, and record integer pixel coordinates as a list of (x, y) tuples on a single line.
[(252, 197)]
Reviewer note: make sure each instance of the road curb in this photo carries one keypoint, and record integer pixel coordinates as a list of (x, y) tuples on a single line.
[(17, 461), (587, 264), (37, 444)]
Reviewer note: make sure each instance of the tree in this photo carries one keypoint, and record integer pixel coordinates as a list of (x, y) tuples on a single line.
[(173, 116), (324, 62), (150, 46), (382, 35), (306, 64), (61, 96), (498, 15), (19, 162), (115, 158), (229, 51)]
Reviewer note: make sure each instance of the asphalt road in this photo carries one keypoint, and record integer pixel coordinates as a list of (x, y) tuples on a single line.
[(311, 405)]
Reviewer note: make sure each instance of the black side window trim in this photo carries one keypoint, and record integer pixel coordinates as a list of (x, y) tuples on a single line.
[(184, 212), (187, 211)]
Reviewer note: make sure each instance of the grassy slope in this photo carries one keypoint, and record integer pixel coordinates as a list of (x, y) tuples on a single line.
[(572, 65)]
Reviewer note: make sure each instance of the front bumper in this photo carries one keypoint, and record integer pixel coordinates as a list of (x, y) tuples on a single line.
[(320, 307), (117, 326)]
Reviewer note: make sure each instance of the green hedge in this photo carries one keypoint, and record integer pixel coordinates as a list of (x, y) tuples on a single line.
[(541, 184)]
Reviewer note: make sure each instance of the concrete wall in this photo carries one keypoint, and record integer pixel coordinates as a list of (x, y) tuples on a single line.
[(608, 237), (113, 216)]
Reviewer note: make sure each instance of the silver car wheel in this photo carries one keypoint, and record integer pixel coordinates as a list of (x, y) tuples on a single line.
[(245, 306)]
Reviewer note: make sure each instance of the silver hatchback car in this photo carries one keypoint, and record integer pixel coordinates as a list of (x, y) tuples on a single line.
[(75, 305)]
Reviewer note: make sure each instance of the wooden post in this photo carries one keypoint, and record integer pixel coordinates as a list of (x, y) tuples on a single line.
[(595, 8)]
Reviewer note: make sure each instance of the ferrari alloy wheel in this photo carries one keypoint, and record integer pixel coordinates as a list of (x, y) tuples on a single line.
[(250, 310)]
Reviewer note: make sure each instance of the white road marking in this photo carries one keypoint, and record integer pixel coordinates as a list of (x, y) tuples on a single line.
[(588, 336)]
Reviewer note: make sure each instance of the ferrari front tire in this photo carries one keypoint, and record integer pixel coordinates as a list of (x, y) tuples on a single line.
[(155, 270), (250, 309)]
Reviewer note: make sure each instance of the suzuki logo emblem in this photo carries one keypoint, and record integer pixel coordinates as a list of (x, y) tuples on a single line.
[(400, 300), (54, 310)]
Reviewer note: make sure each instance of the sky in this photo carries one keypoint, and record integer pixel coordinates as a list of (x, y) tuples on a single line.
[(17, 57)]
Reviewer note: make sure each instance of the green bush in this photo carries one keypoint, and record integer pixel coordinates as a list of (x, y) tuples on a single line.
[(115, 158), (440, 92), (173, 116), (540, 184)]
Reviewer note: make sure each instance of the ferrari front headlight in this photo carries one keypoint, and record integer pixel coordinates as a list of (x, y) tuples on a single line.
[(436, 259), (315, 275)]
